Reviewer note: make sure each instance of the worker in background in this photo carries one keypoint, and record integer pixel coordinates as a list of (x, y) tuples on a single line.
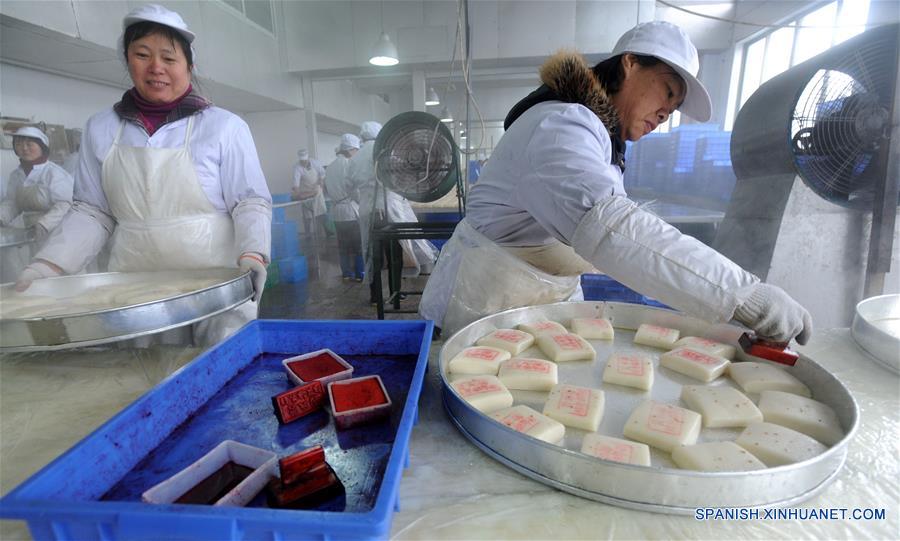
[(173, 179), (551, 205), (70, 163), (309, 180), (39, 193), (345, 211), (37, 197), (419, 255)]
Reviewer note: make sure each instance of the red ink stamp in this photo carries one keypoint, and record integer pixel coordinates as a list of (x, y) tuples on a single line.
[(618, 452), (530, 365), (483, 353), (666, 419), (567, 341), (477, 386), (510, 336), (519, 422), (575, 401), (630, 365)]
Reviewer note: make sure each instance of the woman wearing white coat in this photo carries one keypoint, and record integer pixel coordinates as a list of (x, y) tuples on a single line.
[(550, 203), (39, 192), (175, 180), (419, 254)]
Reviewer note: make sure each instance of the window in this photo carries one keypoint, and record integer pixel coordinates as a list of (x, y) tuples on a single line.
[(764, 56), (258, 11)]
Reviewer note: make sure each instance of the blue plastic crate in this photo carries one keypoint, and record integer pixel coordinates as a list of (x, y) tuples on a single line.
[(93, 490), (600, 287), (285, 240), (292, 270), (440, 216), (281, 198)]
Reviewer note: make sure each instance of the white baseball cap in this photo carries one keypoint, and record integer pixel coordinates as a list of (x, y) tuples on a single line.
[(157, 14), (303, 154), (348, 141), (672, 45), (34, 133)]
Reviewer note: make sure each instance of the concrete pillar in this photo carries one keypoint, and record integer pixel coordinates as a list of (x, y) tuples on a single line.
[(418, 90), (309, 107)]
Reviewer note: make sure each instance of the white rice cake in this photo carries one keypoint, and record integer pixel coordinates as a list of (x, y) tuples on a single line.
[(528, 421), (802, 414), (721, 406), (615, 449), (656, 336), (484, 393), (536, 328), (478, 360), (777, 445), (526, 374), (663, 426), (593, 328), (707, 346), (694, 364), (629, 368), (715, 456), (758, 377), (566, 347), (578, 407), (511, 340)]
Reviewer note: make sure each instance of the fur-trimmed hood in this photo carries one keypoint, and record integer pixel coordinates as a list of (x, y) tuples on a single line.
[(569, 77)]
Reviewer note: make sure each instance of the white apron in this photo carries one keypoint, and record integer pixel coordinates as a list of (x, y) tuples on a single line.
[(309, 181), (165, 221), (475, 277), (33, 201)]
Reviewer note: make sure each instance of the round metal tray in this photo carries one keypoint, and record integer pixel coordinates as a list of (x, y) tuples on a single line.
[(661, 487), (12, 236), (876, 328), (231, 288)]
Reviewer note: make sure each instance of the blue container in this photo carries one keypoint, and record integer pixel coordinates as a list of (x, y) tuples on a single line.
[(292, 269), (93, 490), (279, 216), (285, 240), (281, 198), (600, 287), (440, 216)]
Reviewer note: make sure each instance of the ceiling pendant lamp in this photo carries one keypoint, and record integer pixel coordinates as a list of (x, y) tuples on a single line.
[(445, 115), (384, 53), (431, 98)]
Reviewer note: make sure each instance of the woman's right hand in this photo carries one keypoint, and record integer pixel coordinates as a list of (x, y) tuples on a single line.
[(36, 270), (774, 315)]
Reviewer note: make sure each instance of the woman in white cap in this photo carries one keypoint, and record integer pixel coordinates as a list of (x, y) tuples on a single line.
[(551, 205), (345, 211), (309, 177), (419, 255), (173, 179), (39, 192)]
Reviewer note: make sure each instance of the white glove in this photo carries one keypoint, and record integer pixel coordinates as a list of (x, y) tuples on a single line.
[(34, 271), (774, 315), (253, 262)]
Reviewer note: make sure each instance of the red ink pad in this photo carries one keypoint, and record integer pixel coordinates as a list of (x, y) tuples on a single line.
[(323, 365), (309, 490), (295, 465), (358, 400), (299, 401)]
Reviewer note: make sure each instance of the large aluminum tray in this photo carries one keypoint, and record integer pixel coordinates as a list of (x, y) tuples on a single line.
[(875, 329), (662, 487), (232, 288), (12, 236)]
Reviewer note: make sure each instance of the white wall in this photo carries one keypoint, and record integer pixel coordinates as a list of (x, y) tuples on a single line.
[(342, 99), (278, 135)]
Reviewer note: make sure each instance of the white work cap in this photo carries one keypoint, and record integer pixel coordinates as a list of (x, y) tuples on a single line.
[(303, 154), (157, 14), (34, 133), (348, 141), (672, 45), (369, 130)]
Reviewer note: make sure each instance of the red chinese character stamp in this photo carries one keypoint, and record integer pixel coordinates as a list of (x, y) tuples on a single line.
[(519, 422), (483, 353), (530, 365), (477, 386), (630, 365), (567, 341), (575, 401), (697, 357), (666, 419), (510, 336), (619, 452)]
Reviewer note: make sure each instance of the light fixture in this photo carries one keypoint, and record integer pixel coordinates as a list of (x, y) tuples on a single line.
[(384, 53), (431, 97), (445, 115)]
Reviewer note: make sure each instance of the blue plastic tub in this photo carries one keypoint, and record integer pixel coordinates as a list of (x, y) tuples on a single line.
[(292, 270), (285, 240), (600, 287), (93, 490)]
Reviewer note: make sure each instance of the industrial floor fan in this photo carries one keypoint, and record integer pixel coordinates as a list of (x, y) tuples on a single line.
[(815, 151)]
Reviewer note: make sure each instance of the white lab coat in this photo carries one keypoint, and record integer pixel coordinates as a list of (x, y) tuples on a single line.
[(342, 193), (70, 164), (308, 179), (227, 168), (550, 180), (45, 195)]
